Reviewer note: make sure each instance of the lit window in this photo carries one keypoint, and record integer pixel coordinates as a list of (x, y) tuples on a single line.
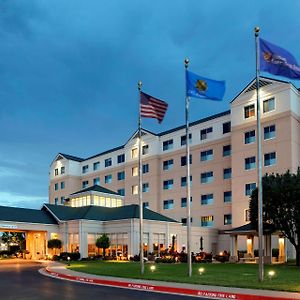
[(250, 163), (249, 187), (207, 177), (167, 145), (146, 187), (55, 172), (85, 184), (121, 158), (145, 168), (207, 199), (207, 221), (145, 149), (108, 178), (183, 181), (96, 166), (226, 127), (270, 159), (134, 171), (183, 202), (183, 139), (96, 181), (227, 196), (134, 190), (269, 105), (207, 155), (249, 111), (226, 150), (62, 185), (250, 137), (168, 184), (183, 160), (121, 175), (63, 170), (85, 169), (121, 192), (108, 162), (168, 204), (269, 132), (134, 152), (168, 164), (206, 133), (227, 219)]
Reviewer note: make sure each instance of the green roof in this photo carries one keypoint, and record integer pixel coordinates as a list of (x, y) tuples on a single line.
[(16, 214), (99, 213), (97, 188)]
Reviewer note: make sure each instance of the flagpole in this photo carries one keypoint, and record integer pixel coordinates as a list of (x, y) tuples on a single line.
[(259, 169), (188, 186), (140, 183)]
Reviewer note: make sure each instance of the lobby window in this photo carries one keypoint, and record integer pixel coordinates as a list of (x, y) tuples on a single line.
[(56, 201), (62, 185), (168, 184), (249, 187), (226, 127), (62, 200), (270, 159), (167, 145), (249, 111), (145, 168), (146, 187), (121, 158), (226, 150), (183, 160), (207, 177), (85, 169), (108, 162), (183, 139), (269, 132), (206, 133), (96, 165), (63, 170), (168, 204), (56, 186), (250, 163), (96, 181), (85, 184), (108, 178), (168, 164), (134, 189), (121, 192), (269, 105), (250, 137), (121, 175), (55, 172), (183, 202), (146, 205), (135, 171), (227, 219), (207, 221), (227, 196), (247, 215), (207, 155), (207, 199), (145, 149), (183, 181)]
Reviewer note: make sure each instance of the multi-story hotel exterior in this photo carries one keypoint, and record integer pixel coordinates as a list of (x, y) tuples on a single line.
[(223, 161)]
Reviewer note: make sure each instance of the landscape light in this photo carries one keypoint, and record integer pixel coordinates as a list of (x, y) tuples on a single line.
[(68, 258), (152, 268), (271, 274), (201, 271)]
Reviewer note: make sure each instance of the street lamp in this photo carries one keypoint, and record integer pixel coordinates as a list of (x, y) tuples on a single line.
[(69, 258)]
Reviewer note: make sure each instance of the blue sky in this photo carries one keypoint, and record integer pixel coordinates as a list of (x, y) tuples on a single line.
[(69, 72)]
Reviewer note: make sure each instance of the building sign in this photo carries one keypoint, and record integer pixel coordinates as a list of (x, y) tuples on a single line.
[(8, 226)]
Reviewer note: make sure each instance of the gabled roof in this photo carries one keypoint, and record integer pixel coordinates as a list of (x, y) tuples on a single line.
[(16, 214), (136, 134), (99, 213), (71, 157), (96, 188)]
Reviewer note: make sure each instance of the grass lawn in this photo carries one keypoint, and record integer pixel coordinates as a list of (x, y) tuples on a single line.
[(286, 278)]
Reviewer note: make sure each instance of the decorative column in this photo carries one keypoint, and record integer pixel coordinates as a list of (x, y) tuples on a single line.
[(268, 249), (233, 249)]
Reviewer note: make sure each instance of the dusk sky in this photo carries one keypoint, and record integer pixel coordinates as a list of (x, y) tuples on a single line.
[(69, 73)]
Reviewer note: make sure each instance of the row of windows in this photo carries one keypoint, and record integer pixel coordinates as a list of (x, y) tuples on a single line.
[(268, 105), (208, 221), (269, 160), (269, 133), (62, 185), (62, 200), (62, 171)]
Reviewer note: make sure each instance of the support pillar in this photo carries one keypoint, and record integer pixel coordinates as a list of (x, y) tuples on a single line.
[(282, 249), (233, 249), (268, 249)]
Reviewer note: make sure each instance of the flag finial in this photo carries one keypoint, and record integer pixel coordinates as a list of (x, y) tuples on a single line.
[(140, 85), (186, 63), (256, 30)]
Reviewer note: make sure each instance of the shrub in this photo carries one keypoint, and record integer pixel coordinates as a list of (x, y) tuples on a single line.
[(73, 256)]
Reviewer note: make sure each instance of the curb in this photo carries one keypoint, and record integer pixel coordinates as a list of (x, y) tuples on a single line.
[(161, 288)]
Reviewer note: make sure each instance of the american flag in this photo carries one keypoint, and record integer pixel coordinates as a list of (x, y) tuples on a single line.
[(151, 107)]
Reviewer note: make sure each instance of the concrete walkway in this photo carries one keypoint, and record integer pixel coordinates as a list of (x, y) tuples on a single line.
[(60, 271)]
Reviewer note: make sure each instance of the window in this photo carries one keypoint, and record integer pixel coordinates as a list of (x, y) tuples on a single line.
[(250, 163), (56, 201), (247, 215), (85, 169), (183, 160), (249, 187), (96, 181), (226, 127), (56, 186), (168, 164), (134, 189), (250, 137), (121, 175), (207, 199), (96, 166), (145, 149), (168, 184), (183, 139), (108, 162), (226, 150), (183, 202), (207, 155), (168, 204), (184, 221), (145, 168), (227, 219), (85, 184), (62, 200), (207, 221), (269, 105), (205, 133), (121, 158), (55, 172), (63, 170), (249, 111), (270, 159), (146, 187), (183, 181), (207, 177), (227, 196), (146, 205), (269, 132), (108, 178), (62, 185), (121, 192), (167, 145), (134, 171)]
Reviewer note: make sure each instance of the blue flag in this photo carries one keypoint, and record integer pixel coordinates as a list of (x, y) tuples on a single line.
[(201, 87), (278, 61)]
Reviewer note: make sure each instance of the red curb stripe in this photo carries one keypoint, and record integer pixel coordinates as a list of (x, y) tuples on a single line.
[(164, 289)]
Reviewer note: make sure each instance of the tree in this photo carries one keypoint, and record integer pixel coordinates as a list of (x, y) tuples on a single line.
[(16, 238), (103, 242), (54, 244), (281, 206)]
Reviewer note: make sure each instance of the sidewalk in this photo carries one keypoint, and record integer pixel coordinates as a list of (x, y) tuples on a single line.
[(58, 270)]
